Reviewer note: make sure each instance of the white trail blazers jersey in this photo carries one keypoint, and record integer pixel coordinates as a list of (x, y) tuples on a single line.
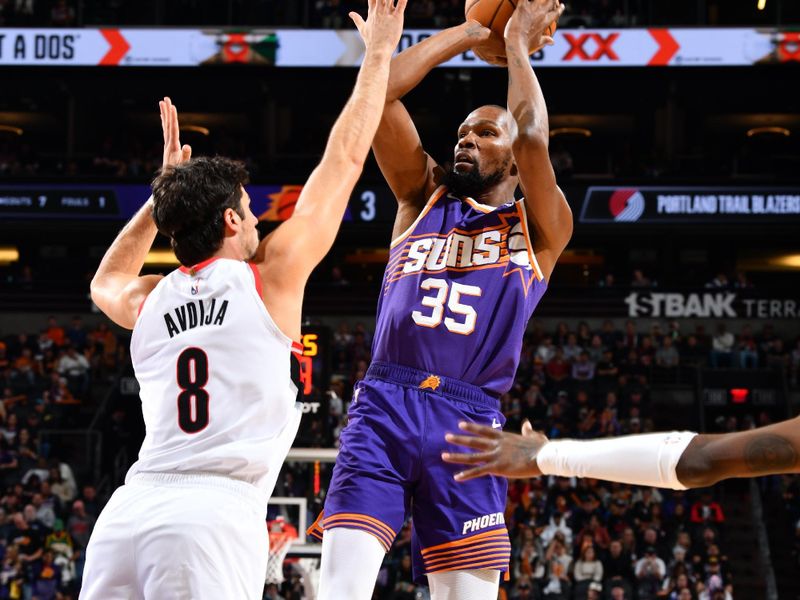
[(215, 377)]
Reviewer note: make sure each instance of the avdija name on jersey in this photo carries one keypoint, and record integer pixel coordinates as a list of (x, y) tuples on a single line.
[(196, 313)]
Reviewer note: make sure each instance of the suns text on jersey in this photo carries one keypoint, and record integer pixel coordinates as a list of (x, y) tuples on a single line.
[(196, 313), (454, 251)]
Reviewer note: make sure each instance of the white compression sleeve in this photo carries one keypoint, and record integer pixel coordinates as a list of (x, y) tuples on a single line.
[(351, 559), (649, 459), (464, 585)]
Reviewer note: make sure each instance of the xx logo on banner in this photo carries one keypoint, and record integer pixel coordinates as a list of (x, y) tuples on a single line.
[(604, 46)]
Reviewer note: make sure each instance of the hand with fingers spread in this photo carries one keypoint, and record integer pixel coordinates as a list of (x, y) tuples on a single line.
[(174, 153), (384, 25), (498, 452), (529, 23)]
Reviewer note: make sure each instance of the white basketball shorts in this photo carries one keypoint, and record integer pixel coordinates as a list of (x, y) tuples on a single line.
[(167, 536)]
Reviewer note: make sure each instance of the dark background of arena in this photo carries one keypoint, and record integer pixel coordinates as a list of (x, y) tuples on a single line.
[(69, 427)]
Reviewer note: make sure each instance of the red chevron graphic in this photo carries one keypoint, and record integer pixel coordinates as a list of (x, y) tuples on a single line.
[(119, 47), (667, 47)]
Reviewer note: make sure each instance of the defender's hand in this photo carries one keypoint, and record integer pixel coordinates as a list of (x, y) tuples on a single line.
[(384, 24), (529, 22), (499, 452), (174, 153)]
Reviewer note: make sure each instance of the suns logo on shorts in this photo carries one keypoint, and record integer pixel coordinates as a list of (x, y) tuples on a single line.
[(431, 383)]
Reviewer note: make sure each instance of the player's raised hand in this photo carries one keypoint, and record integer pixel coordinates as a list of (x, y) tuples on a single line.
[(498, 452), (384, 24), (530, 21), (174, 153), (488, 47)]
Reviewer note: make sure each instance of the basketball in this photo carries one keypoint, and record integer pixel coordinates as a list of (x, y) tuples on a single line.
[(495, 14)]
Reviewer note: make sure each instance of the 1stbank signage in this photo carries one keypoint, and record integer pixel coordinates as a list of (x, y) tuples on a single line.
[(709, 305), (610, 205)]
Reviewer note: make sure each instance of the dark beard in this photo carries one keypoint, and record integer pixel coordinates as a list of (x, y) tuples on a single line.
[(471, 183)]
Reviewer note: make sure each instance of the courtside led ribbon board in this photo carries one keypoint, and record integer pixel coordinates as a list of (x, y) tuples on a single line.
[(627, 205), (343, 48)]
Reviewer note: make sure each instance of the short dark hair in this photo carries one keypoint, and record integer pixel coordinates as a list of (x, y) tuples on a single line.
[(189, 201)]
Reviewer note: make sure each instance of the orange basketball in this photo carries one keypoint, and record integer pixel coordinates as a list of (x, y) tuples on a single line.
[(495, 14)]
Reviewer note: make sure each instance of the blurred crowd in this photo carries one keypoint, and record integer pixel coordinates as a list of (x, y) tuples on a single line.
[(46, 517)]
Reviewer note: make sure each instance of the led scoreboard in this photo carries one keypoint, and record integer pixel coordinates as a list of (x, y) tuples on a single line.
[(314, 364)]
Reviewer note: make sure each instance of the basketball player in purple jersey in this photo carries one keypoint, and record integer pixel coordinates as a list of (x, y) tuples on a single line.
[(467, 266)]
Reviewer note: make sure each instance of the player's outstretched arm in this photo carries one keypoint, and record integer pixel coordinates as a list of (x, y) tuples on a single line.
[(287, 257), (677, 460), (117, 289), (546, 208), (407, 168)]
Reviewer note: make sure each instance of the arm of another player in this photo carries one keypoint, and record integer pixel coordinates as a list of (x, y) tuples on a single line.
[(546, 208), (117, 289), (407, 168), (677, 460), (287, 256)]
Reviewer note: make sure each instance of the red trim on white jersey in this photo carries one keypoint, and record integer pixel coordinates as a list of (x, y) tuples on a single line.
[(298, 348), (141, 305), (195, 268), (257, 277)]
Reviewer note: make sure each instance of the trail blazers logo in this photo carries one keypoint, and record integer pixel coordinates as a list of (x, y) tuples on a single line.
[(627, 206)]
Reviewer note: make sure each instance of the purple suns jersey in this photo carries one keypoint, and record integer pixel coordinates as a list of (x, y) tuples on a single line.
[(458, 291)]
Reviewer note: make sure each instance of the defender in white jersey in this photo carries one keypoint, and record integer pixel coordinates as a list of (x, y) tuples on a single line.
[(212, 350)]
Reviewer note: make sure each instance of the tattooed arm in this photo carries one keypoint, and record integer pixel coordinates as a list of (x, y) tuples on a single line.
[(677, 460), (546, 208), (764, 451)]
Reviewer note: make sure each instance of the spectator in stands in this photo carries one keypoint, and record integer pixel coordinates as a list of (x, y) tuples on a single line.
[(741, 282), (607, 282), (46, 578), (707, 511), (776, 356), (12, 573), (558, 565), (746, 349), (571, 349), (650, 570), (583, 369), (638, 280), (719, 282), (557, 526), (587, 569), (76, 334), (546, 350), (667, 356), (722, 347), (80, 525), (558, 369), (75, 367), (54, 331)]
